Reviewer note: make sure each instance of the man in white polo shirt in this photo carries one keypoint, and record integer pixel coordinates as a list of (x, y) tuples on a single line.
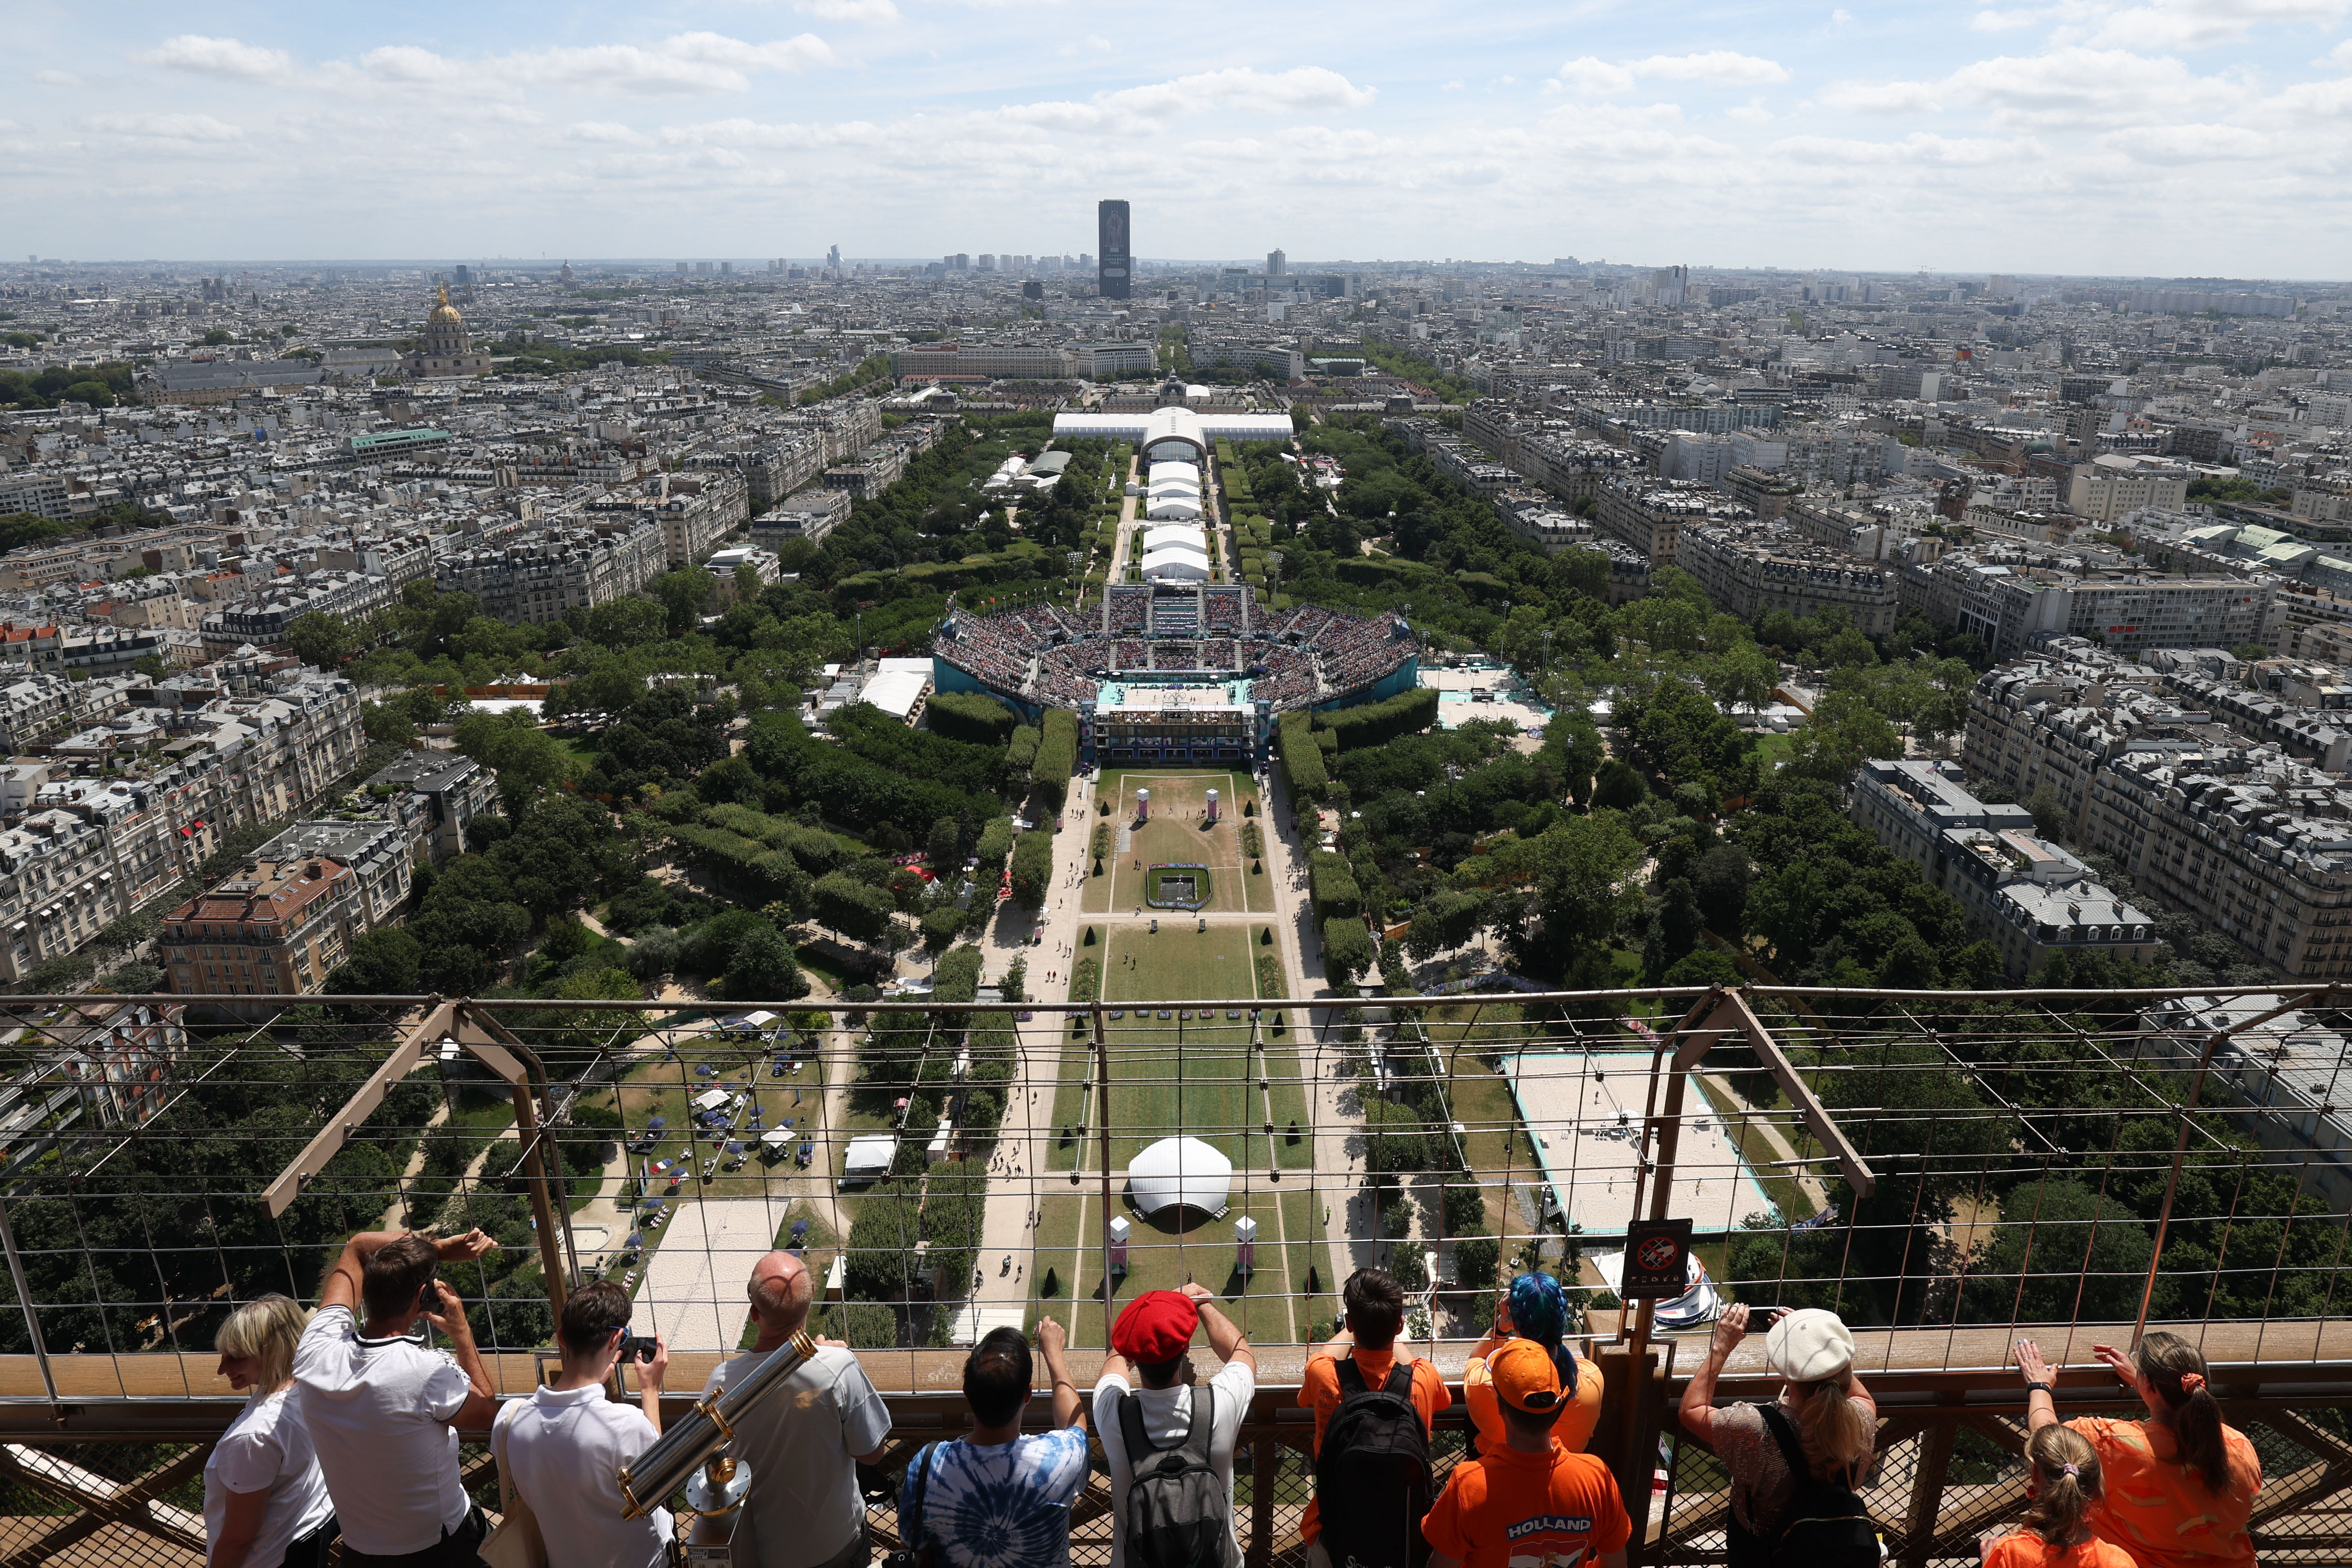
[(563, 1448), (803, 1446), (384, 1412)]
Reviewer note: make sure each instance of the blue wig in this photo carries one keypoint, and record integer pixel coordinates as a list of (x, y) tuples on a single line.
[(1539, 1312)]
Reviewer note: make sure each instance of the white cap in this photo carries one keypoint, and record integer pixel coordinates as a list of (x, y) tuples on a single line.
[(1808, 1346)]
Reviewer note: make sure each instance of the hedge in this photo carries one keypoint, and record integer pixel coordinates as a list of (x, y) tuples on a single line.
[(1332, 887), (1377, 724), (1347, 947), (1302, 758), (1032, 868), (957, 977), (1020, 751), (1270, 981), (1057, 756), (971, 716), (995, 843)]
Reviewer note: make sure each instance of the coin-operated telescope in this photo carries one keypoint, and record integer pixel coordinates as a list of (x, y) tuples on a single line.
[(688, 1454)]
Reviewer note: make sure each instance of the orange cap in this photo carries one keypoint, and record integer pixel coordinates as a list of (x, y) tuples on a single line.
[(1524, 1378)]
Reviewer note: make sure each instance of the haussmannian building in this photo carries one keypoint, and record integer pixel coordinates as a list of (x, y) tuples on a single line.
[(537, 576), (1749, 570)]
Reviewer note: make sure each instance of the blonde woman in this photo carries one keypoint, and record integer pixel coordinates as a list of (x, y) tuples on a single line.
[(265, 1504), (2056, 1533), (1834, 1419)]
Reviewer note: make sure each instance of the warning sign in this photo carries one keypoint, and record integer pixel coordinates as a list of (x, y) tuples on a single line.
[(1657, 1260)]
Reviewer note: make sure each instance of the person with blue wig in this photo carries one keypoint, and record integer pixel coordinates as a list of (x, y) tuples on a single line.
[(1534, 1308)]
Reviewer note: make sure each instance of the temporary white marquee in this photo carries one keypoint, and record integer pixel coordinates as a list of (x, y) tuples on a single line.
[(1180, 1173)]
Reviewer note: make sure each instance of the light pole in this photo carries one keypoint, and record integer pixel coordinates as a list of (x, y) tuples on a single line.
[(1075, 558), (1274, 577)]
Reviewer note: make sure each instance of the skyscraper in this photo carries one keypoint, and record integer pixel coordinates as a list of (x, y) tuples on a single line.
[(1276, 264), (1111, 272)]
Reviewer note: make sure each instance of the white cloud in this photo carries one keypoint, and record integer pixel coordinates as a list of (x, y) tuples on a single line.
[(2188, 144), (1882, 97), (1720, 67), (1586, 74), (2200, 24), (2341, 55), (2001, 21), (1749, 113), (219, 57), (604, 130), (164, 127), (874, 13), (56, 79), (1841, 16), (1306, 89), (686, 64), (1453, 86), (2087, 89)]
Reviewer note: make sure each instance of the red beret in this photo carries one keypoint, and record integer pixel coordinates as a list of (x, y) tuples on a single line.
[(1156, 1326)]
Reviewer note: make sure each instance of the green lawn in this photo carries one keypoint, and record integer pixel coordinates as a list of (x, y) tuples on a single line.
[(1175, 1074), (1161, 1257), (1177, 833)]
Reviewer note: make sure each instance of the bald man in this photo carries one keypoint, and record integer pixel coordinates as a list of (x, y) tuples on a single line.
[(804, 1445)]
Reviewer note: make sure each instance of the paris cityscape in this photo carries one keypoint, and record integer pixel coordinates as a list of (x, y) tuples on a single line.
[(635, 776)]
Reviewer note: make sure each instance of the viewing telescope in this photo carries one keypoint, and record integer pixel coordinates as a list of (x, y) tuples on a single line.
[(721, 1531)]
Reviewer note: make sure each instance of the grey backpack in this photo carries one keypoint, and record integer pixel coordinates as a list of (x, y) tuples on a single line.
[(1178, 1513)]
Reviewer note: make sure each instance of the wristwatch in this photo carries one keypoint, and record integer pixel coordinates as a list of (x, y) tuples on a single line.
[(2042, 1387)]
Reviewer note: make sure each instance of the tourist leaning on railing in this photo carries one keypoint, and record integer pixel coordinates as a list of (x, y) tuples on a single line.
[(563, 1449), (1833, 1420), (2179, 1484), (265, 1504), (1534, 1308), (384, 1411), (1531, 1499)]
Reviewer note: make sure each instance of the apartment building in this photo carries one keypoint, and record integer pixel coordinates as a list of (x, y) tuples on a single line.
[(2025, 895), (1651, 514), (2257, 845), (433, 796), (262, 622), (2015, 598), (2117, 482), (694, 510), (810, 515), (288, 916), (781, 467), (1749, 570), (537, 576), (988, 361)]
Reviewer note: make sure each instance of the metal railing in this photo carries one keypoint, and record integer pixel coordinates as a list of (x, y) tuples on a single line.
[(1940, 1168)]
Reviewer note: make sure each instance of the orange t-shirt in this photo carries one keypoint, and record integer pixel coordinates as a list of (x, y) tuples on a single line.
[(2027, 1549), (1318, 1390), (1508, 1507), (2159, 1510), (1572, 1431)]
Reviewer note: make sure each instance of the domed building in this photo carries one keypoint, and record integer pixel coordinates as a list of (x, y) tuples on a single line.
[(448, 348)]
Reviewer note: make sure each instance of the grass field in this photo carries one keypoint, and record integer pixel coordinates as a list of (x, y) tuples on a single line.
[(1197, 1075), (1177, 832), (1270, 1304)]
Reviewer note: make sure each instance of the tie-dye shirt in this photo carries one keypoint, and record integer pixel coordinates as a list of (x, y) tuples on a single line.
[(1005, 1505), (2159, 1510)]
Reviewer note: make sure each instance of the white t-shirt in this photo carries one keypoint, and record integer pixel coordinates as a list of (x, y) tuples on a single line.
[(378, 1413), (802, 1444), (564, 1453), (266, 1448), (1166, 1417)]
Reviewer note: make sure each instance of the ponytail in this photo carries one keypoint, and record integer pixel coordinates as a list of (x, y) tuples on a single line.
[(2066, 1482), (1539, 1312), (1837, 1434), (2175, 1372)]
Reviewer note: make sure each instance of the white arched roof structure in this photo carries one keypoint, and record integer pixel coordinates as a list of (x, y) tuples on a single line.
[(1189, 473), (1175, 504), (1176, 563), (1180, 1173), (1174, 434), (1159, 536)]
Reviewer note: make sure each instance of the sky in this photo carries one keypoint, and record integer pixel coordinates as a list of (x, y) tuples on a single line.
[(2119, 137)]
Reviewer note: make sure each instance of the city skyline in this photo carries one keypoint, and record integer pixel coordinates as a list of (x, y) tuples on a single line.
[(2182, 138)]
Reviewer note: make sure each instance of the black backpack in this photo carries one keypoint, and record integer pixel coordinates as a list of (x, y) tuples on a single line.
[(1372, 1474), (1825, 1525), (1179, 1514)]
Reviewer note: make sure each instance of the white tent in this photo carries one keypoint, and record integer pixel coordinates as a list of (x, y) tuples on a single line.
[(1180, 1171), (869, 1157)]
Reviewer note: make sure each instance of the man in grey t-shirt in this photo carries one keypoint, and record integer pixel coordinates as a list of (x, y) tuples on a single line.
[(803, 1448)]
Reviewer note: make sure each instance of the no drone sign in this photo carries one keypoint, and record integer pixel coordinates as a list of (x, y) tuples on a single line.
[(1657, 1260)]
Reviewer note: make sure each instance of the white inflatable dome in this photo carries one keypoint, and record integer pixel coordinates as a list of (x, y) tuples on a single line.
[(1180, 1173)]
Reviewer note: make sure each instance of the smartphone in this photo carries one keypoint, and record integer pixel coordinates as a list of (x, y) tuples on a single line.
[(635, 1346), (1762, 1319), (428, 1296)]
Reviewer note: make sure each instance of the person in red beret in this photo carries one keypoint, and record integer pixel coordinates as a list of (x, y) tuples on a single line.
[(1150, 1346), (1530, 1500)]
